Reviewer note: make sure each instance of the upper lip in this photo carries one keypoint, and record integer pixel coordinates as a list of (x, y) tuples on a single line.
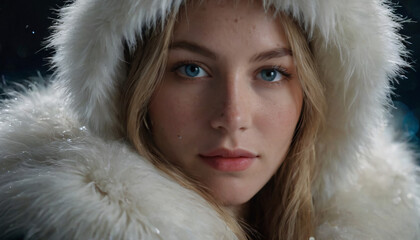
[(229, 153)]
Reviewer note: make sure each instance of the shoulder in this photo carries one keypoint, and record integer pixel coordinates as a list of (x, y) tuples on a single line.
[(58, 181), (380, 201)]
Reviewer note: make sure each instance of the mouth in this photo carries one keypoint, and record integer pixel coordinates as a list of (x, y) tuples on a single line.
[(229, 160)]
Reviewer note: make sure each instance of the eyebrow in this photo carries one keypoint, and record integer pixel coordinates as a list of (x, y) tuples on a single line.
[(193, 47), (275, 53)]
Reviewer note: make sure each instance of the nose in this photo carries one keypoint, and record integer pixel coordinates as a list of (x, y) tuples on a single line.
[(232, 112)]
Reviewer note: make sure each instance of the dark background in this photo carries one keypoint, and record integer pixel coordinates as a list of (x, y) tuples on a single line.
[(24, 26)]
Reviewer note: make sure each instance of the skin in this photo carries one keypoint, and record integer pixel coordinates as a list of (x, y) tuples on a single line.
[(229, 104)]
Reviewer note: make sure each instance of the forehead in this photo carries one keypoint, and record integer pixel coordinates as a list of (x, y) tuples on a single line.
[(226, 10), (229, 21)]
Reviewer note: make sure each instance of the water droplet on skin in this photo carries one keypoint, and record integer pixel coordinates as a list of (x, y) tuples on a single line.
[(157, 231), (83, 128)]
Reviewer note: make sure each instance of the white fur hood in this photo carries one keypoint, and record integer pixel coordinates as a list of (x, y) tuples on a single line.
[(65, 175)]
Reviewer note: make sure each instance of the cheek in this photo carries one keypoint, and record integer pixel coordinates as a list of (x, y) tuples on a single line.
[(277, 123), (174, 120), (164, 112), (278, 126)]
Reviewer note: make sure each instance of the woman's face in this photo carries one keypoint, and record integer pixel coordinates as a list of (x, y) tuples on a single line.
[(230, 98)]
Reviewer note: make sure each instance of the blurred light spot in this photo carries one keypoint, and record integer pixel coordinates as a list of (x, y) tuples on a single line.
[(410, 124), (27, 26), (405, 120), (33, 32)]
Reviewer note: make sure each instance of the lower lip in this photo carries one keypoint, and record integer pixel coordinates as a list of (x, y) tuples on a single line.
[(228, 164)]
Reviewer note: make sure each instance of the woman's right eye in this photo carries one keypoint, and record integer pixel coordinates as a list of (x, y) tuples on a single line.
[(191, 71)]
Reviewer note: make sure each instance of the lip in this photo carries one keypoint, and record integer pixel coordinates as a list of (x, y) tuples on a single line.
[(229, 160)]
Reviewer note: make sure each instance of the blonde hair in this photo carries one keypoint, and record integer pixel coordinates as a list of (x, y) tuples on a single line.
[(286, 199), (144, 75), (283, 209)]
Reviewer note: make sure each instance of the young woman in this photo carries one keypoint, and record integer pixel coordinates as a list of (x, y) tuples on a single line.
[(211, 120)]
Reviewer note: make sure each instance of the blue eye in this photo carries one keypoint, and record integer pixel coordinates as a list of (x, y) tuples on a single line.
[(270, 75), (191, 71)]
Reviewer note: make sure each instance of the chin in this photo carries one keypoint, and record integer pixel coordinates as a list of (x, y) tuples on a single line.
[(232, 194)]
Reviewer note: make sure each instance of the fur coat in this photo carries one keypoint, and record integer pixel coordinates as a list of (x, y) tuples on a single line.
[(65, 173)]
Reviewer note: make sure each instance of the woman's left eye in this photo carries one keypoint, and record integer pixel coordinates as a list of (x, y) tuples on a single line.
[(270, 75), (191, 71)]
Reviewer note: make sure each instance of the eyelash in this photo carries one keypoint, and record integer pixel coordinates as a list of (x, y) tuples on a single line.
[(285, 74), (183, 63), (278, 68)]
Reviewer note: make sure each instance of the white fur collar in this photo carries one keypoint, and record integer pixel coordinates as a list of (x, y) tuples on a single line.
[(57, 181), (366, 189), (355, 44)]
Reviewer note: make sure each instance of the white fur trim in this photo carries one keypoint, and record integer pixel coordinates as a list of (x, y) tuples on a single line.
[(57, 181), (367, 187), (355, 43)]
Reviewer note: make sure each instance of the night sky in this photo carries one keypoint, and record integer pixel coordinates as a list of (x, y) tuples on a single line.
[(24, 27)]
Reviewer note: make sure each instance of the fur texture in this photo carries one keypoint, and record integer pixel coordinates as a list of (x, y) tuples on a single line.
[(58, 181), (65, 174)]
